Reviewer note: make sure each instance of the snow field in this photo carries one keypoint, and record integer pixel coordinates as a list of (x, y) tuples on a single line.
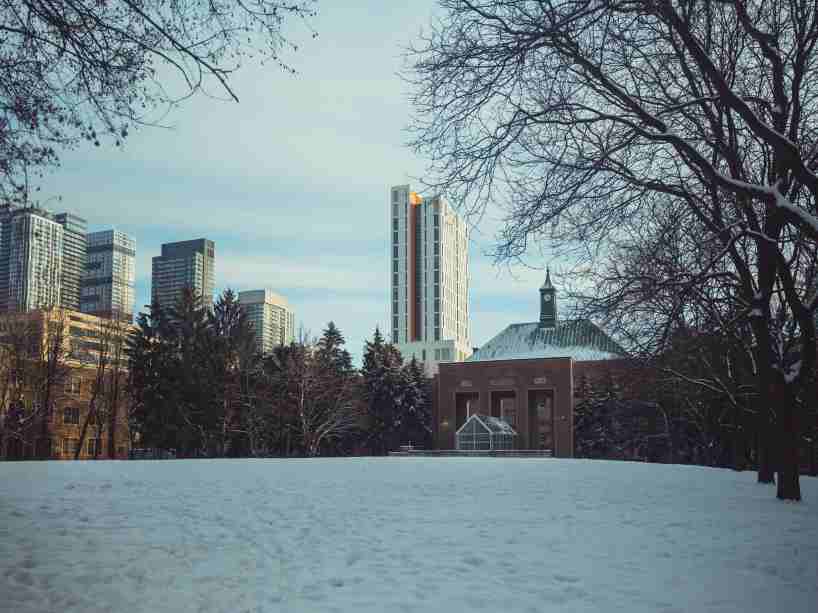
[(401, 534)]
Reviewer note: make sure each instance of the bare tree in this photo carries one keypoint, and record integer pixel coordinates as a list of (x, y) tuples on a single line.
[(33, 371), (17, 350), (103, 405), (589, 118), (74, 70), (50, 369), (326, 403), (687, 329), (117, 329)]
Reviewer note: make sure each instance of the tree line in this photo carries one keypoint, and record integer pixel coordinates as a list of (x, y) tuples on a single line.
[(694, 402), (199, 386)]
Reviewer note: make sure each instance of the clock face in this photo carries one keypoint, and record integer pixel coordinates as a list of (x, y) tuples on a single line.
[(547, 297)]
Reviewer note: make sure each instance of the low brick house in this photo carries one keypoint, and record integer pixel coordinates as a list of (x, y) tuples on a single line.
[(526, 376)]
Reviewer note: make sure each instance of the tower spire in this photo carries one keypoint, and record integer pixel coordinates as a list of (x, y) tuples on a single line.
[(548, 302), (547, 284)]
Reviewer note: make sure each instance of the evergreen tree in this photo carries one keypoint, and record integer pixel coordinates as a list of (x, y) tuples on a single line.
[(383, 385), (153, 420), (199, 404), (331, 349), (235, 368), (331, 364), (278, 425), (415, 418)]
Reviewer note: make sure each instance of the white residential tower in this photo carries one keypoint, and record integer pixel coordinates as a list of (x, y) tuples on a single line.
[(31, 250), (108, 282), (430, 279)]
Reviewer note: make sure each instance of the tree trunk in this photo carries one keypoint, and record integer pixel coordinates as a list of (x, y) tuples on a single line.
[(764, 425), (113, 417), (789, 487), (765, 467), (813, 464)]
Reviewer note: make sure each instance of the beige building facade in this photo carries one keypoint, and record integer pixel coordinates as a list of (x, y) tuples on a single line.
[(54, 395)]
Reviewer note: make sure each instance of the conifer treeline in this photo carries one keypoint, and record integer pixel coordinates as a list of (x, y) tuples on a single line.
[(198, 387)]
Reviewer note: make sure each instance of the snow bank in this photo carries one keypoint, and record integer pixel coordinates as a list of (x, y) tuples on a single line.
[(401, 534)]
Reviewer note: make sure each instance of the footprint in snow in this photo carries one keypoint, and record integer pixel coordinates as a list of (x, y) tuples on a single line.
[(566, 578), (473, 561)]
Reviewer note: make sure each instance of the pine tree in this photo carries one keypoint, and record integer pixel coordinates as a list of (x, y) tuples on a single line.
[(234, 364), (382, 379), (416, 416), (331, 349), (154, 420)]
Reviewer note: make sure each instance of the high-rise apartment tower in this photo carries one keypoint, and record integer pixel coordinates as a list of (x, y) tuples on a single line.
[(31, 258), (73, 259), (430, 279), (273, 319), (108, 283), (187, 264)]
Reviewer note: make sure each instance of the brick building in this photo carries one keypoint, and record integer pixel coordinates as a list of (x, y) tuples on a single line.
[(34, 376), (526, 376)]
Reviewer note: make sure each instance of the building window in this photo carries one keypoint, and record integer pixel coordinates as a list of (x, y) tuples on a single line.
[(94, 444), (71, 416), (508, 412), (70, 446), (73, 385)]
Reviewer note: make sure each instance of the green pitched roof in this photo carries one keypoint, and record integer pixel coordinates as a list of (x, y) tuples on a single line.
[(579, 339)]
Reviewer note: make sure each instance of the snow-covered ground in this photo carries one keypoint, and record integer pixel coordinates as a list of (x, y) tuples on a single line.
[(401, 534)]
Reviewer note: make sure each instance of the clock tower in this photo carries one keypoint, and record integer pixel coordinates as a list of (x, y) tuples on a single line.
[(548, 303)]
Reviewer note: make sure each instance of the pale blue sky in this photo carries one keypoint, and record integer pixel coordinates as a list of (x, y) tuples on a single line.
[(292, 182)]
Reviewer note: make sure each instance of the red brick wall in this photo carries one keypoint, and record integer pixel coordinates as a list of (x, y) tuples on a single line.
[(518, 376)]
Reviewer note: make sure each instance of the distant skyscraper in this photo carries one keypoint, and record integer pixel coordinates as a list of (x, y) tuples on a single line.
[(272, 318), (73, 259), (430, 279), (31, 256), (185, 264), (108, 282)]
